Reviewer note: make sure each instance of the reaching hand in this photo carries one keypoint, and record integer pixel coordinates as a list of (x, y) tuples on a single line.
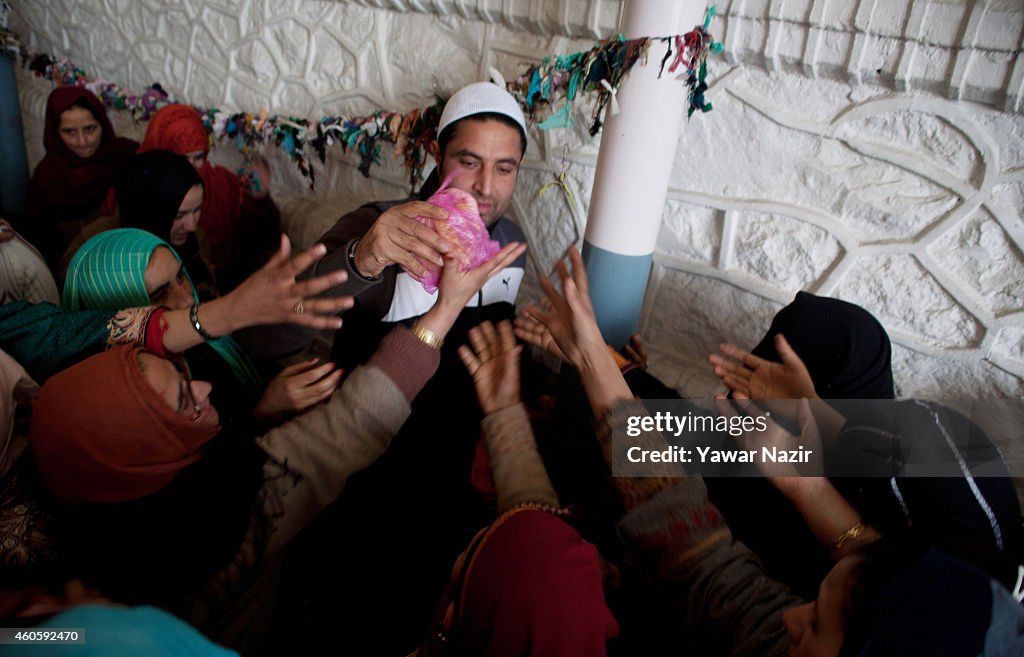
[(571, 323), (757, 378), (273, 296), (397, 238), (457, 287), (636, 352), (774, 437), (570, 318), (493, 362), (296, 388), (533, 332)]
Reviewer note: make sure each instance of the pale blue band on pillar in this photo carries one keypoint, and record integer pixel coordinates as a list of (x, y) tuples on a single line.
[(13, 162), (617, 286)]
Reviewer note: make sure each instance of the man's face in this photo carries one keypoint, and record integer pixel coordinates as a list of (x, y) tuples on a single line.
[(484, 158)]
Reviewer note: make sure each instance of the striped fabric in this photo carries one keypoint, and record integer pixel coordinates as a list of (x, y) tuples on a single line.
[(109, 271)]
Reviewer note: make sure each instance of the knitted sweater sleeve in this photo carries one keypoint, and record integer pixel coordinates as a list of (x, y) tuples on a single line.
[(516, 467), (311, 457), (320, 449)]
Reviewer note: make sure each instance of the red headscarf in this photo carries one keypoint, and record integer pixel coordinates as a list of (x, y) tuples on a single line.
[(67, 187), (533, 588), (102, 434), (179, 128)]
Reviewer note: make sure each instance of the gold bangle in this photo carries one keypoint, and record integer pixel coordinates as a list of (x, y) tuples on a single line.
[(431, 339), (847, 536)]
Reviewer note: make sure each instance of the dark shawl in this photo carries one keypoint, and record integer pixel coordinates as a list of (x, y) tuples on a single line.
[(845, 349), (65, 187), (149, 194), (848, 355)]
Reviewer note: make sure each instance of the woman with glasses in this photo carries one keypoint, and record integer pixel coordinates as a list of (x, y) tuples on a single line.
[(179, 513), (46, 339), (131, 267)]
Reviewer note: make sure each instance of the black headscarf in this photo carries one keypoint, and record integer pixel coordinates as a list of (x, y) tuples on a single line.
[(848, 355), (149, 193), (938, 607), (845, 349), (151, 189)]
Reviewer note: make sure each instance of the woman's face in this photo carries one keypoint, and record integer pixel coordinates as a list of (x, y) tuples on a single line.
[(80, 131), (817, 629), (187, 219), (196, 158), (182, 396), (166, 282)]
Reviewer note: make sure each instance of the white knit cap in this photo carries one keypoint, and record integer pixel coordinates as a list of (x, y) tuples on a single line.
[(478, 98)]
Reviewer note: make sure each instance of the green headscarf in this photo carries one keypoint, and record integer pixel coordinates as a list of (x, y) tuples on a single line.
[(109, 271)]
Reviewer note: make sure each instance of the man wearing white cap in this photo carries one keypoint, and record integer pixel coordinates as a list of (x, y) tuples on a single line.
[(481, 141), (401, 525)]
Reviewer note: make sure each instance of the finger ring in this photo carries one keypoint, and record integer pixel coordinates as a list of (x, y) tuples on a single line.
[(380, 260), (299, 307)]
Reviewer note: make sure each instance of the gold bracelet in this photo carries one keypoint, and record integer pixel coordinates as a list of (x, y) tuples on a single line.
[(847, 536), (431, 339)]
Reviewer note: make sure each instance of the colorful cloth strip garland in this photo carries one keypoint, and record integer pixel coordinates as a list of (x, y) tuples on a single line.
[(599, 70)]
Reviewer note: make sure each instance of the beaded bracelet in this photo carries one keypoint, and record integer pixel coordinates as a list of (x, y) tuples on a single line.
[(546, 508), (193, 315)]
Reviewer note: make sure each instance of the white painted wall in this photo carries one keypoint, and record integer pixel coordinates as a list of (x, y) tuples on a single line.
[(867, 149)]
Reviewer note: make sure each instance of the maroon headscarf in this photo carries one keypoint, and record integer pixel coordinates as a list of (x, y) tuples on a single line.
[(102, 434), (532, 587), (66, 187)]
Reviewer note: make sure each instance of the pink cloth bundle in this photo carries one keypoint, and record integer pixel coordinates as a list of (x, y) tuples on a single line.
[(464, 230)]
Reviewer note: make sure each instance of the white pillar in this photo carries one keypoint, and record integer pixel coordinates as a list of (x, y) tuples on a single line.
[(638, 148)]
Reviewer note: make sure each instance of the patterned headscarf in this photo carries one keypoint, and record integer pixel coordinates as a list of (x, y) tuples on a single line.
[(109, 271)]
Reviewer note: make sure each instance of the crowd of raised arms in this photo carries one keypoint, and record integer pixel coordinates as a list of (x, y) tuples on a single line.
[(213, 445)]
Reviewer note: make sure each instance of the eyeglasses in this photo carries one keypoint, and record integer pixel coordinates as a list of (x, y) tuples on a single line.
[(186, 375)]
